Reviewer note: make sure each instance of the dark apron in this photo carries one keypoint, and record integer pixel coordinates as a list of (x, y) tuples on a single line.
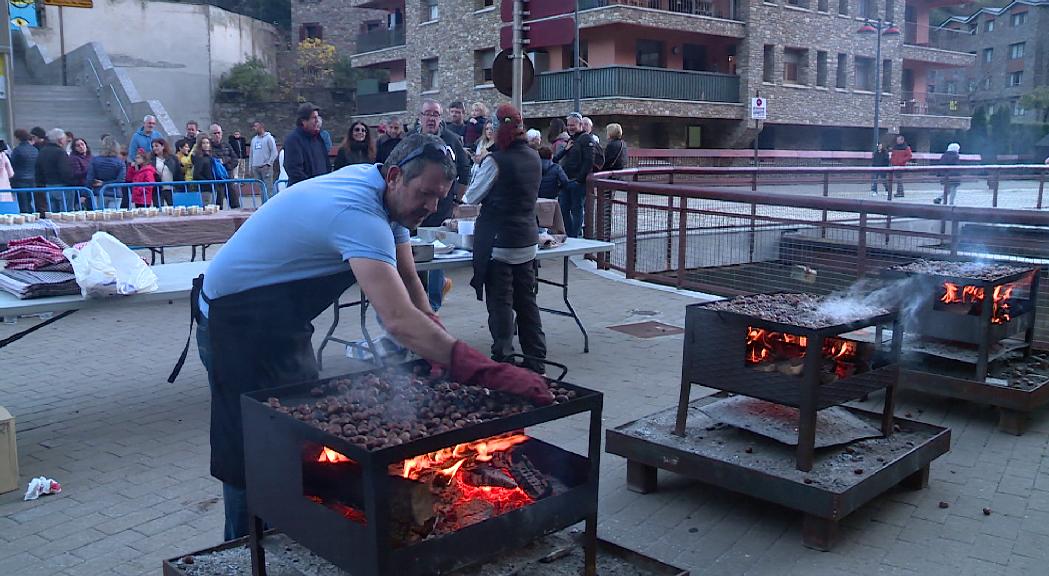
[(254, 340), (486, 229)]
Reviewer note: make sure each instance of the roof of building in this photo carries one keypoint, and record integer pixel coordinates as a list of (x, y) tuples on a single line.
[(994, 11)]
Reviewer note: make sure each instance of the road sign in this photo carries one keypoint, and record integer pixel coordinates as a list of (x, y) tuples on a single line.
[(542, 33), (70, 3), (502, 73), (536, 9), (759, 108)]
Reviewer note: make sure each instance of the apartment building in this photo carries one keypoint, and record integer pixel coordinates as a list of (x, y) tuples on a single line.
[(674, 73), (1011, 45)]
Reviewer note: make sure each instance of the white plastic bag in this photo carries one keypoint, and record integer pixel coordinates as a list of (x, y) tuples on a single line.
[(106, 267)]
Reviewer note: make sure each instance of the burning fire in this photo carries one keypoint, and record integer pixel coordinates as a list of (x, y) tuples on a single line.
[(765, 344), (448, 461), (330, 456), (975, 295), (768, 346)]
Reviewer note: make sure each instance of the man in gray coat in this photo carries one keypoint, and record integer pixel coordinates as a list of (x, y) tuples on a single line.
[(262, 154)]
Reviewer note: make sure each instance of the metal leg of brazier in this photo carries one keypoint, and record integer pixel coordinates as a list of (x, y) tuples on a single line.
[(1012, 421), (258, 554), (917, 481), (640, 478), (819, 533)]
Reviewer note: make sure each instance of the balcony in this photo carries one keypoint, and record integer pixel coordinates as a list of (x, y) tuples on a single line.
[(941, 46), (379, 39), (382, 102), (713, 9), (637, 82), (934, 110)]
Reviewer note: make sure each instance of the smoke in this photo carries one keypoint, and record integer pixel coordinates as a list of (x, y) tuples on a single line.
[(868, 297)]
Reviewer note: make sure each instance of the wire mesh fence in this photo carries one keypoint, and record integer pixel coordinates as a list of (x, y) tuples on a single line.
[(733, 231)]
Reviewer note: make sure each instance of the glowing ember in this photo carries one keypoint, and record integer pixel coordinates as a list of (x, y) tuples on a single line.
[(768, 346), (448, 461), (975, 295), (331, 457)]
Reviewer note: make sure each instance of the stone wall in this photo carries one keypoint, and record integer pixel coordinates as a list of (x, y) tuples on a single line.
[(279, 118)]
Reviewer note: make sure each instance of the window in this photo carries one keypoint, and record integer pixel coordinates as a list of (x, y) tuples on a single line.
[(972, 86), (821, 68), (864, 73), (950, 87), (1018, 109), (695, 137), (482, 4), (650, 53), (823, 5), (429, 79), (973, 27), (795, 66), (890, 9), (799, 3), (843, 7), (429, 11), (988, 55), (483, 60), (1016, 51), (841, 75), (1016, 78), (867, 9), (987, 83), (1018, 19), (886, 76), (768, 70), (311, 30), (988, 25)]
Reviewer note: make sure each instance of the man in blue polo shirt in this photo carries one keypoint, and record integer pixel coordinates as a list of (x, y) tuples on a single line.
[(288, 263)]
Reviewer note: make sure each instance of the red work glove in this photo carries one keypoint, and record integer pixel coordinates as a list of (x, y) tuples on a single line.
[(473, 368)]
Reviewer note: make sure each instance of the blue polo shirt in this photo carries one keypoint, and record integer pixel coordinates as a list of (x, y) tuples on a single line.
[(309, 230)]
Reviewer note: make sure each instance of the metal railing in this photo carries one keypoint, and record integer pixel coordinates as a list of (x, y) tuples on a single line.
[(379, 39), (45, 199), (382, 102), (232, 193), (696, 229), (934, 37), (637, 82), (934, 104), (725, 9)]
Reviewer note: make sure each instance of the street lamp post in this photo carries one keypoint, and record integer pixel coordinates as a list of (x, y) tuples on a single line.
[(879, 29)]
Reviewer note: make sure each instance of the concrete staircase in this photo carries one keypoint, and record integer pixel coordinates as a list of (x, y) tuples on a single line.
[(72, 108)]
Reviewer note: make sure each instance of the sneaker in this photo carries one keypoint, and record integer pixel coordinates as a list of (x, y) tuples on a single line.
[(447, 287), (937, 200), (874, 192)]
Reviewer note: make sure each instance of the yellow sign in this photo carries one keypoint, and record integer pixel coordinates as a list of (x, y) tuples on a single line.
[(70, 3)]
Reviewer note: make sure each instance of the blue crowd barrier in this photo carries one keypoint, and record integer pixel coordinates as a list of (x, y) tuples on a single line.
[(226, 193), (54, 199)]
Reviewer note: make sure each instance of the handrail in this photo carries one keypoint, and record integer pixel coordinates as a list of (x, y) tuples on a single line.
[(95, 72), (127, 119), (981, 169), (115, 189)]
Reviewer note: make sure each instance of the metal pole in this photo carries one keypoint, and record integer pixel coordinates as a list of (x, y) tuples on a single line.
[(518, 64), (62, 44), (877, 88), (576, 78)]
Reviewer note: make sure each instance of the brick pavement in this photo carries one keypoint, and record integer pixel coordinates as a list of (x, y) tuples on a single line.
[(95, 412)]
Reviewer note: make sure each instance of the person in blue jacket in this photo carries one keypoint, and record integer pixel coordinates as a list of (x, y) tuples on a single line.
[(145, 135)]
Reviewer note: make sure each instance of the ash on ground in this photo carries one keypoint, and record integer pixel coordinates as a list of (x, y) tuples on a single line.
[(802, 310), (988, 271), (1019, 372), (835, 469), (285, 557)]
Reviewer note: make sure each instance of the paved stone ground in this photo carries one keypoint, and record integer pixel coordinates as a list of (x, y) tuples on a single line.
[(95, 412)]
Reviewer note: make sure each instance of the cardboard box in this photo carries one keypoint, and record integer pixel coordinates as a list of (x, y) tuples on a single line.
[(8, 452)]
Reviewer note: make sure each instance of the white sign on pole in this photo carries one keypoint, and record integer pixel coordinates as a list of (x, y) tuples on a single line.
[(759, 108)]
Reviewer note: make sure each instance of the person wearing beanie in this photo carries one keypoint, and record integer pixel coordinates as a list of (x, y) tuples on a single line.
[(506, 238), (950, 179)]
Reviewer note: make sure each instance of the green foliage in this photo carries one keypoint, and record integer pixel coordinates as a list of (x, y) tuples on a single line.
[(249, 81), (1037, 99)]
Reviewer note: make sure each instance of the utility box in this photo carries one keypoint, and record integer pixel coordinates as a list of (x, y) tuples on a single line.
[(8, 452)]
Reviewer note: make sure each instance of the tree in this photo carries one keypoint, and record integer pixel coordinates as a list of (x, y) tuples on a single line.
[(249, 81), (1037, 99), (315, 61)]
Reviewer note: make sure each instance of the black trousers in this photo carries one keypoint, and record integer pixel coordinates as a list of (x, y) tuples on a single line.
[(510, 289)]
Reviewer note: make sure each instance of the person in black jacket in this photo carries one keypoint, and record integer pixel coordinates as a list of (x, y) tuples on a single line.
[(506, 238), (53, 169), (357, 148), (577, 159), (23, 161), (949, 179), (394, 135), (304, 153), (880, 159), (615, 150), (203, 166), (554, 179)]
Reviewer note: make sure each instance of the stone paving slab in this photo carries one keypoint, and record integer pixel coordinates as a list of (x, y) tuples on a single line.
[(95, 412)]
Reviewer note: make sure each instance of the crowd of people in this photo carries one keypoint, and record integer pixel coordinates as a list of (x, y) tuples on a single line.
[(57, 158)]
